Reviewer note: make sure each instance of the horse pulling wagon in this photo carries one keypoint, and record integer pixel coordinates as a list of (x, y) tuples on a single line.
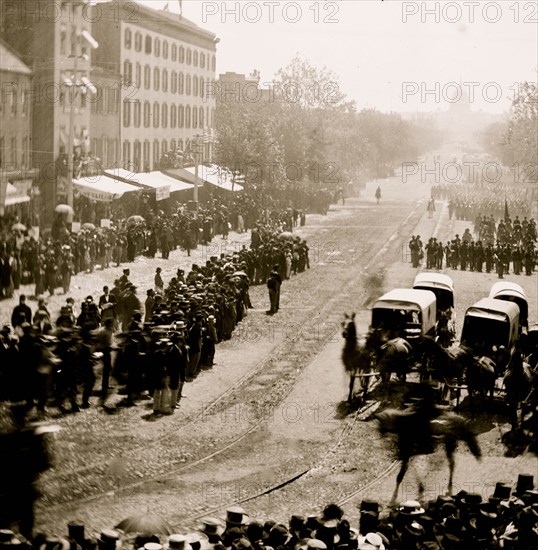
[(405, 313), (399, 317)]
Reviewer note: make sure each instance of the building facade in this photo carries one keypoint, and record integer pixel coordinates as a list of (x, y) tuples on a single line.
[(105, 131), (15, 111), (232, 87), (54, 41), (16, 135), (167, 64)]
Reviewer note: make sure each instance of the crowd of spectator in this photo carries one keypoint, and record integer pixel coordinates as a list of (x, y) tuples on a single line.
[(50, 260), (182, 321), (507, 519)]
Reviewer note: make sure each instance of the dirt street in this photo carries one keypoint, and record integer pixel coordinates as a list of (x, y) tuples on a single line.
[(271, 409)]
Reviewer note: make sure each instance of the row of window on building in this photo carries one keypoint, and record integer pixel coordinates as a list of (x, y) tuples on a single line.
[(18, 156), (136, 155), (160, 116), (177, 52), (147, 155), (179, 83), (11, 99)]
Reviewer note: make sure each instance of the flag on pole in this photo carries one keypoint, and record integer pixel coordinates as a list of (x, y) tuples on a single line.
[(167, 7), (506, 215), (180, 8)]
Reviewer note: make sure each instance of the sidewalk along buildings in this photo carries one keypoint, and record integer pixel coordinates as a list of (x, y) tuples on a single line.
[(166, 64)]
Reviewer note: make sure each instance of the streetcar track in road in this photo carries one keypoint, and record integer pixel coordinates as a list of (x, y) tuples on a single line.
[(327, 308), (281, 484), (364, 412), (347, 429), (129, 487), (384, 474)]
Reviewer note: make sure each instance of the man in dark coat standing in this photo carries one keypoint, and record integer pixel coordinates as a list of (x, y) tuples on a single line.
[(273, 284), (107, 305), (149, 305), (131, 303), (21, 313), (124, 279)]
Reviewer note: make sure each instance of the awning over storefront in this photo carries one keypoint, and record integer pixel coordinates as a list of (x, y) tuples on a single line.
[(103, 188), (215, 176), (163, 184), (11, 200), (11, 195), (121, 174)]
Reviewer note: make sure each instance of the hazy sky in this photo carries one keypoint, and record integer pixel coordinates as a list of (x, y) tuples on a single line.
[(387, 54)]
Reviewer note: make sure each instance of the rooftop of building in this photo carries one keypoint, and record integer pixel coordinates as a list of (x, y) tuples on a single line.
[(158, 16), (10, 60)]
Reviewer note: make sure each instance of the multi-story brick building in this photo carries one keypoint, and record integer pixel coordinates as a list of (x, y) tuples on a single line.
[(166, 63), (15, 110), (54, 41), (16, 126), (105, 131)]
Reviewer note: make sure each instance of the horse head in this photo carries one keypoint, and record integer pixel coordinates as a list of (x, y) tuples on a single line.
[(349, 331)]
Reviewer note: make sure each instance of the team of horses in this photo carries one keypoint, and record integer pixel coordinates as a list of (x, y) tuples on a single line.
[(379, 355)]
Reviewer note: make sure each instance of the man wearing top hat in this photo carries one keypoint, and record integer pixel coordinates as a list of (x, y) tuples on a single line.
[(124, 279), (177, 361), (235, 518), (107, 305), (273, 284), (195, 341), (213, 528), (109, 540)]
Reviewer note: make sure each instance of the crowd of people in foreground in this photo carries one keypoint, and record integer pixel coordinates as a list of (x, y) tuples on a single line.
[(501, 248), (45, 360), (506, 519)]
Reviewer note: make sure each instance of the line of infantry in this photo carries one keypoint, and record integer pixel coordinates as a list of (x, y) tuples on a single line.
[(511, 247)]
